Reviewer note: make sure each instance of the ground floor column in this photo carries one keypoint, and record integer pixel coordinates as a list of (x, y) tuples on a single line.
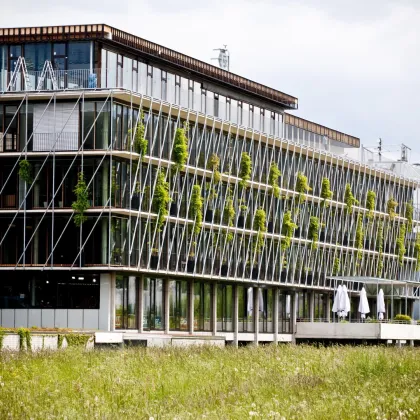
[(293, 314), (141, 305), (107, 302), (276, 315), (328, 308), (166, 304), (214, 309), (191, 307), (235, 315), (256, 312), (311, 306)]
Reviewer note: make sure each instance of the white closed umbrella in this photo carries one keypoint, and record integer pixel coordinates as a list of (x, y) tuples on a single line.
[(260, 300), (344, 302), (363, 304), (287, 306), (250, 305), (380, 305), (337, 298)]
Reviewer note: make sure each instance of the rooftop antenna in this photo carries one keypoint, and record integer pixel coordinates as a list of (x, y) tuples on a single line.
[(380, 149), (404, 152), (224, 57)]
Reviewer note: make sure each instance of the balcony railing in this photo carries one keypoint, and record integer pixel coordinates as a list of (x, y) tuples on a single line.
[(63, 79)]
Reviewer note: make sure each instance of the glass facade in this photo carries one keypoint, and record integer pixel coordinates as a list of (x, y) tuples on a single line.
[(178, 305), (153, 317), (126, 302)]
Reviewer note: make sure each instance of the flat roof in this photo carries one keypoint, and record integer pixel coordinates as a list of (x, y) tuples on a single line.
[(115, 36)]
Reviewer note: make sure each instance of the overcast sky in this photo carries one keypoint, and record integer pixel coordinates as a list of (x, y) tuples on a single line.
[(353, 64)]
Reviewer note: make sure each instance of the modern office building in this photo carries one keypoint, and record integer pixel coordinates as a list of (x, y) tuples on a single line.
[(145, 190)]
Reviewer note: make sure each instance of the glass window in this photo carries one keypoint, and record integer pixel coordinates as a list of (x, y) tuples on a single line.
[(143, 78), (178, 305), (157, 83), (128, 73), (78, 56), (209, 103), (222, 107), (202, 306), (224, 307), (36, 55), (184, 92), (111, 70), (126, 302), (170, 87), (153, 316), (245, 303), (234, 111), (197, 97)]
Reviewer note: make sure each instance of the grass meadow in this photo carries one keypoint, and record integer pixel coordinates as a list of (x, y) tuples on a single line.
[(283, 382)]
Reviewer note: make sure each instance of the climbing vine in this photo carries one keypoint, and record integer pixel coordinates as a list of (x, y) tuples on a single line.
[(302, 186), (161, 199), (349, 199), (260, 227), (24, 338), (287, 229), (370, 203), (75, 340), (336, 266), (313, 231), (359, 236), (273, 179), (25, 171), (196, 208), (326, 193), (140, 142), (180, 150), (245, 170), (400, 244), (82, 200), (391, 205), (409, 216), (417, 251), (214, 164)]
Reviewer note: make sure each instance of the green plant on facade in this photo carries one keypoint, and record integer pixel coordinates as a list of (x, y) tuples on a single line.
[(400, 244), (77, 340), (180, 150), (245, 170), (287, 230), (2, 334), (326, 193), (417, 251), (60, 339), (114, 184), (380, 244), (161, 199), (302, 187), (260, 226), (349, 199), (336, 266), (24, 338), (391, 205), (402, 317), (370, 203), (25, 171), (359, 236), (82, 200), (140, 143), (214, 163), (273, 179), (229, 214), (409, 216), (196, 208), (313, 231)]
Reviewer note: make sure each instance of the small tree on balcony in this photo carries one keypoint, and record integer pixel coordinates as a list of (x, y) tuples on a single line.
[(161, 199), (214, 163), (196, 209), (302, 187), (245, 170), (349, 199), (180, 150), (326, 193), (409, 216), (82, 200), (391, 205), (370, 203), (273, 179), (261, 227), (313, 232), (140, 143), (359, 236), (287, 229), (25, 171), (401, 244)]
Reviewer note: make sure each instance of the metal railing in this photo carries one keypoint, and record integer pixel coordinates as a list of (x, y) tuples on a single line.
[(358, 321)]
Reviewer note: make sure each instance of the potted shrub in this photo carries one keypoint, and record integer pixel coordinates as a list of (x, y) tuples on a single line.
[(313, 231), (401, 244), (25, 171), (211, 196), (287, 230), (242, 215), (82, 200), (140, 143), (349, 199), (326, 193), (370, 203), (302, 187), (391, 205), (191, 261), (409, 216), (403, 319), (359, 236), (180, 148), (273, 178), (161, 199), (245, 170)]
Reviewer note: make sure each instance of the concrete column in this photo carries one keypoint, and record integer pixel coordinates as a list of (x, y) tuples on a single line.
[(276, 315), (328, 308), (191, 307), (141, 305), (106, 301), (214, 309), (256, 312), (293, 314), (235, 315), (166, 304), (311, 305)]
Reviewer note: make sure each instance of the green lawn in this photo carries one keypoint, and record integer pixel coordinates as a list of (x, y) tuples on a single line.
[(261, 382)]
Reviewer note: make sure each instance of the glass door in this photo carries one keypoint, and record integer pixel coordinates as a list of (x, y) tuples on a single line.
[(126, 303), (178, 305), (153, 316)]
